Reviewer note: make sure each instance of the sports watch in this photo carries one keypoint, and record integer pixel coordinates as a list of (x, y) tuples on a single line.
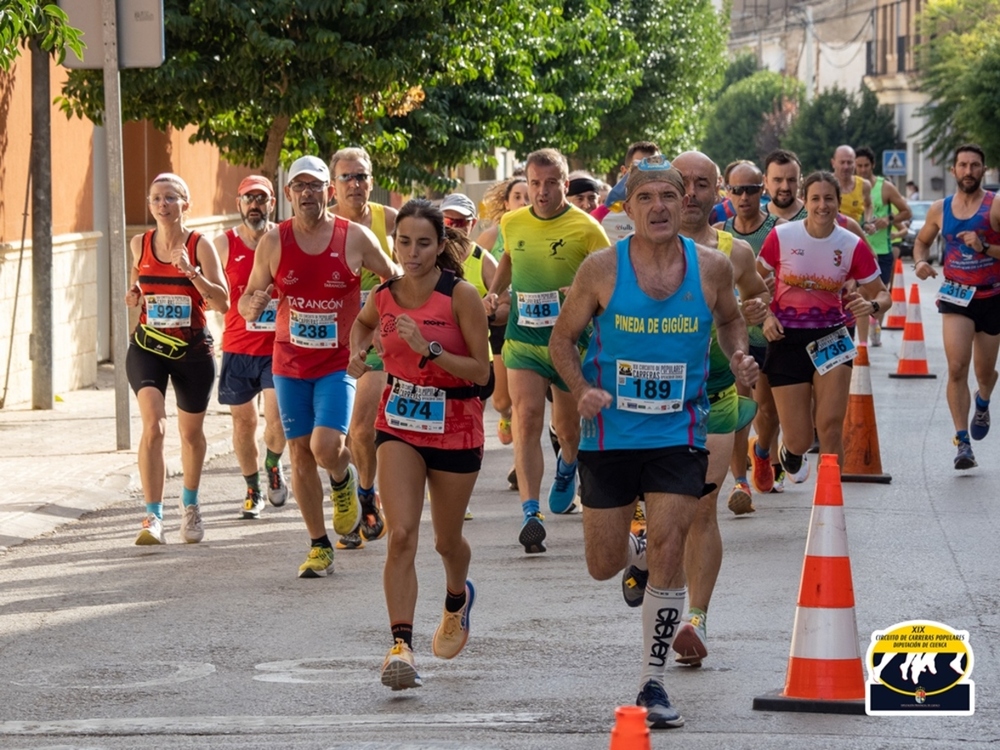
[(434, 350)]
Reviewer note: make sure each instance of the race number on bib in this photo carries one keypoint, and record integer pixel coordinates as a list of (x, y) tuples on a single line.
[(168, 310), (538, 309), (265, 321), (364, 296), (830, 351), (650, 386), (415, 407), (955, 293), (313, 330)]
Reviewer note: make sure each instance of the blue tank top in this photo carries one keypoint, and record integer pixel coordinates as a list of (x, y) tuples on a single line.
[(961, 263), (652, 356)]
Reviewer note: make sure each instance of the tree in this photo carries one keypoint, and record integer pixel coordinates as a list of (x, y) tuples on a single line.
[(835, 118), (21, 20), (958, 65), (740, 114), (681, 48)]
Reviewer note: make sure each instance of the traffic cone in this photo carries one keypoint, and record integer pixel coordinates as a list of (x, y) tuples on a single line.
[(630, 732), (862, 459), (824, 666), (896, 318), (913, 353)]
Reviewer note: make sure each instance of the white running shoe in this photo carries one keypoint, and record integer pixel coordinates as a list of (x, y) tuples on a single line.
[(151, 531), (192, 529)]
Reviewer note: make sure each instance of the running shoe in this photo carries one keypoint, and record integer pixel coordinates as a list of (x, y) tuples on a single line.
[(964, 459), (253, 504), (562, 493), (372, 522), (980, 421), (504, 432), (691, 641), (350, 541), (453, 632), (319, 563), (346, 506), (875, 333), (192, 529), (512, 479), (779, 480), (638, 520), (398, 670), (796, 468), (761, 473), (740, 499), (634, 578), (532, 536), (468, 514), (659, 713), (151, 531), (277, 487)]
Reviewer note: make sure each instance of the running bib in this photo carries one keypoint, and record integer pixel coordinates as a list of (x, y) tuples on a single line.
[(313, 330), (168, 310), (955, 293), (265, 321), (364, 296), (830, 351), (538, 309), (416, 408), (650, 387)]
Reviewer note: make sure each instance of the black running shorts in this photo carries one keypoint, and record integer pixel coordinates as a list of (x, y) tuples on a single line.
[(615, 478)]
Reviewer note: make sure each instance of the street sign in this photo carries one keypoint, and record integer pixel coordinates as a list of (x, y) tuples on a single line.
[(140, 33), (894, 163)]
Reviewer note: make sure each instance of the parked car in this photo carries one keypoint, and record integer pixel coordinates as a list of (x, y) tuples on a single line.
[(919, 209)]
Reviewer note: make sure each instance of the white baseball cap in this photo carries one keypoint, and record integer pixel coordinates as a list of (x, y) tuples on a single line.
[(309, 165)]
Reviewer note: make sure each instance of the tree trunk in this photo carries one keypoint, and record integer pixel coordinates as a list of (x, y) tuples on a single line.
[(272, 152)]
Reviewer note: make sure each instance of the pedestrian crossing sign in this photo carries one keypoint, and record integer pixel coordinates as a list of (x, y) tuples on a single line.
[(894, 163)]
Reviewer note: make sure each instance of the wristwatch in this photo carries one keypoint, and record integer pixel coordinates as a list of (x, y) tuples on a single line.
[(986, 246), (434, 350), (875, 307)]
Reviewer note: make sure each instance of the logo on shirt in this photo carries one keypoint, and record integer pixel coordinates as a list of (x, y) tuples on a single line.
[(238, 258), (334, 282), (290, 278), (387, 324), (799, 251), (838, 257), (556, 245)]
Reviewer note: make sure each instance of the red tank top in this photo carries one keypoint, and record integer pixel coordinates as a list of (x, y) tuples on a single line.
[(239, 337), (171, 303), (427, 406), (320, 298)]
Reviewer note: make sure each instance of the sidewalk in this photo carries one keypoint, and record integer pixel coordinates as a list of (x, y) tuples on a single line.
[(59, 464)]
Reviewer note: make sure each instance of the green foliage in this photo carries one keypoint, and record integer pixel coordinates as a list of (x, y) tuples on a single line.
[(743, 65), (681, 47), (741, 113), (835, 118), (959, 65), (21, 20)]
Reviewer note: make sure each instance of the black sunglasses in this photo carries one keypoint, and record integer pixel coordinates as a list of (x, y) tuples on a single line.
[(748, 189)]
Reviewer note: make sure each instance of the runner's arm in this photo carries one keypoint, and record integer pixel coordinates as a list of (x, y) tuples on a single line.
[(211, 280), (260, 285), (925, 238)]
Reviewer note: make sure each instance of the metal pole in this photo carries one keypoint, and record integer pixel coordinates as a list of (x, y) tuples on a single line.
[(120, 260), (41, 231)]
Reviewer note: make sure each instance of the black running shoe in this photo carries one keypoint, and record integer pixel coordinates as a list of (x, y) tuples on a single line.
[(659, 713), (532, 536)]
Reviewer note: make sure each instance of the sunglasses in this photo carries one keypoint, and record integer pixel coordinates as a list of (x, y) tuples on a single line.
[(741, 189), (456, 223), (312, 187), (355, 177), (259, 198)]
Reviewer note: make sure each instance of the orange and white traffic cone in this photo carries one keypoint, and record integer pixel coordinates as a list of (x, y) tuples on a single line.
[(824, 666), (913, 353), (630, 732), (895, 319), (862, 458)]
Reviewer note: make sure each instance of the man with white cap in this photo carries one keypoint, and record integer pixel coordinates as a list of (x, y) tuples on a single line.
[(247, 347), (314, 261)]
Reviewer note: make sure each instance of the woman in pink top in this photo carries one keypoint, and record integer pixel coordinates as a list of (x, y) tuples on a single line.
[(809, 349)]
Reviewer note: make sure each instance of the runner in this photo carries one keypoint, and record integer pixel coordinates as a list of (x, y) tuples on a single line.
[(433, 334), (246, 352), (652, 300), (175, 276), (314, 261), (544, 244), (809, 349), (583, 190), (889, 211), (351, 169), (969, 297)]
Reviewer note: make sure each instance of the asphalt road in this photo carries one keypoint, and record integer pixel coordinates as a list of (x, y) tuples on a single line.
[(107, 645)]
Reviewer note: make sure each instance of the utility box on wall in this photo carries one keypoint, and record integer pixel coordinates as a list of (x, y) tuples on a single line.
[(140, 33)]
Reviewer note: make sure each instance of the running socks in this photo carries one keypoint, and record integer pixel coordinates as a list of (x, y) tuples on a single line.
[(272, 459), (661, 616), (156, 509), (323, 541), (981, 404), (366, 494), (454, 602), (962, 436), (403, 631), (762, 453), (530, 507), (189, 497), (253, 481), (342, 483)]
